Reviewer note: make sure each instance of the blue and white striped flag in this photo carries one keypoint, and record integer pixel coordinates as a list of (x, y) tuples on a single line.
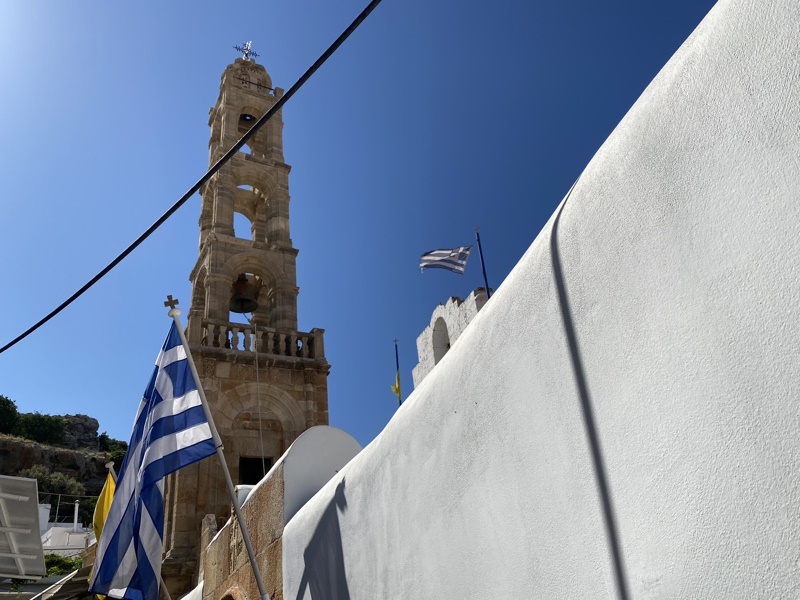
[(454, 259), (170, 432)]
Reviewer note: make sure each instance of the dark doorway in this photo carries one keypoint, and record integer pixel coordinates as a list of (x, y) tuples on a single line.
[(251, 470)]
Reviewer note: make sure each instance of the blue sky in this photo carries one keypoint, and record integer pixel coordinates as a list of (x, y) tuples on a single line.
[(433, 118)]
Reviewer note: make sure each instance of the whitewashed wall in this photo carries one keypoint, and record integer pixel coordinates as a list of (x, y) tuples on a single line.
[(679, 250)]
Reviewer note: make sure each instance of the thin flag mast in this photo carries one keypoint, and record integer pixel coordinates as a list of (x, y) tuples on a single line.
[(483, 265), (396, 386), (110, 466), (175, 313)]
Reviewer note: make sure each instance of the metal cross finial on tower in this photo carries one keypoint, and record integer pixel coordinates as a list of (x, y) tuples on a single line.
[(170, 302), (247, 52)]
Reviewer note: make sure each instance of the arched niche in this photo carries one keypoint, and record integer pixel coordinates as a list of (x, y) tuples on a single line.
[(441, 340), (249, 116), (252, 175), (276, 406), (250, 204), (251, 262), (255, 289), (199, 289), (234, 593)]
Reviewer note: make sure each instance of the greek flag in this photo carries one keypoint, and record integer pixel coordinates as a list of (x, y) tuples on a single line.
[(170, 432), (454, 259)]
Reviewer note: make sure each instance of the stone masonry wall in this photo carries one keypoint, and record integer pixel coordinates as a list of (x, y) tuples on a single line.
[(226, 567), (293, 397)]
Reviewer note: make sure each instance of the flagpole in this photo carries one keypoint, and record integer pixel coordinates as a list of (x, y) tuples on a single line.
[(483, 265), (397, 362), (175, 314), (110, 466)]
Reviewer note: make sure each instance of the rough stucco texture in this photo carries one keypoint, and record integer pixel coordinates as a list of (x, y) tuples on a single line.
[(679, 249)]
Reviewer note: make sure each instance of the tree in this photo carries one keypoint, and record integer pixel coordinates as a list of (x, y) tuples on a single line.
[(8, 415), (45, 429), (55, 483), (86, 511), (116, 448), (104, 442)]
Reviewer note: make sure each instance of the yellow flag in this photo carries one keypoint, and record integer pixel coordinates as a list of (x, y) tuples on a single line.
[(103, 505), (101, 512), (396, 388)]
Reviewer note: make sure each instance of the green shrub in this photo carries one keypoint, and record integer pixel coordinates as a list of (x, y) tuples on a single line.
[(9, 416), (45, 429), (55, 483), (86, 511), (118, 456), (116, 448), (61, 565)]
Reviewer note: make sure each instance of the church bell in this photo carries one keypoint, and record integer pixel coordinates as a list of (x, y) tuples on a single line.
[(244, 295)]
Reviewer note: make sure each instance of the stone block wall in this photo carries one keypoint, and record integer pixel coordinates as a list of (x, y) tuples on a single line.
[(293, 398), (307, 466), (226, 569)]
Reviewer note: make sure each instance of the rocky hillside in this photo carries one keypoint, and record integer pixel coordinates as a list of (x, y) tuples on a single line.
[(87, 466), (80, 432)]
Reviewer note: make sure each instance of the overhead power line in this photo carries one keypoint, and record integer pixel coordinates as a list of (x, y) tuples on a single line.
[(210, 173)]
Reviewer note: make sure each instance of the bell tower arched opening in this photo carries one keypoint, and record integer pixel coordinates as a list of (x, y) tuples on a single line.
[(242, 226)]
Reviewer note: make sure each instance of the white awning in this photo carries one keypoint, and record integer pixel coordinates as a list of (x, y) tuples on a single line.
[(21, 553)]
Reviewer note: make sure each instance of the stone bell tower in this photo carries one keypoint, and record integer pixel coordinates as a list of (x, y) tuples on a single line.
[(258, 412)]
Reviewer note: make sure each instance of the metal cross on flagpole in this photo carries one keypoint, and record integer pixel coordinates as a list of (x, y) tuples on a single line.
[(175, 313)]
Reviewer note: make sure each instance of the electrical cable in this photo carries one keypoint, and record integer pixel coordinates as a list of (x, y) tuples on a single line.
[(209, 174)]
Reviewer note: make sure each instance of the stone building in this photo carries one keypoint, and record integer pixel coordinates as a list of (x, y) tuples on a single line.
[(265, 381), (448, 322)]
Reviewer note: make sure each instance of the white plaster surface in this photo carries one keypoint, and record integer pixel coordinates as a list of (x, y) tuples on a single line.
[(679, 248), (313, 458), (196, 593)]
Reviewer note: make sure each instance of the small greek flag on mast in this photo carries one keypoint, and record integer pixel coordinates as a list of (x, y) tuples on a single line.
[(453, 259), (170, 432)]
